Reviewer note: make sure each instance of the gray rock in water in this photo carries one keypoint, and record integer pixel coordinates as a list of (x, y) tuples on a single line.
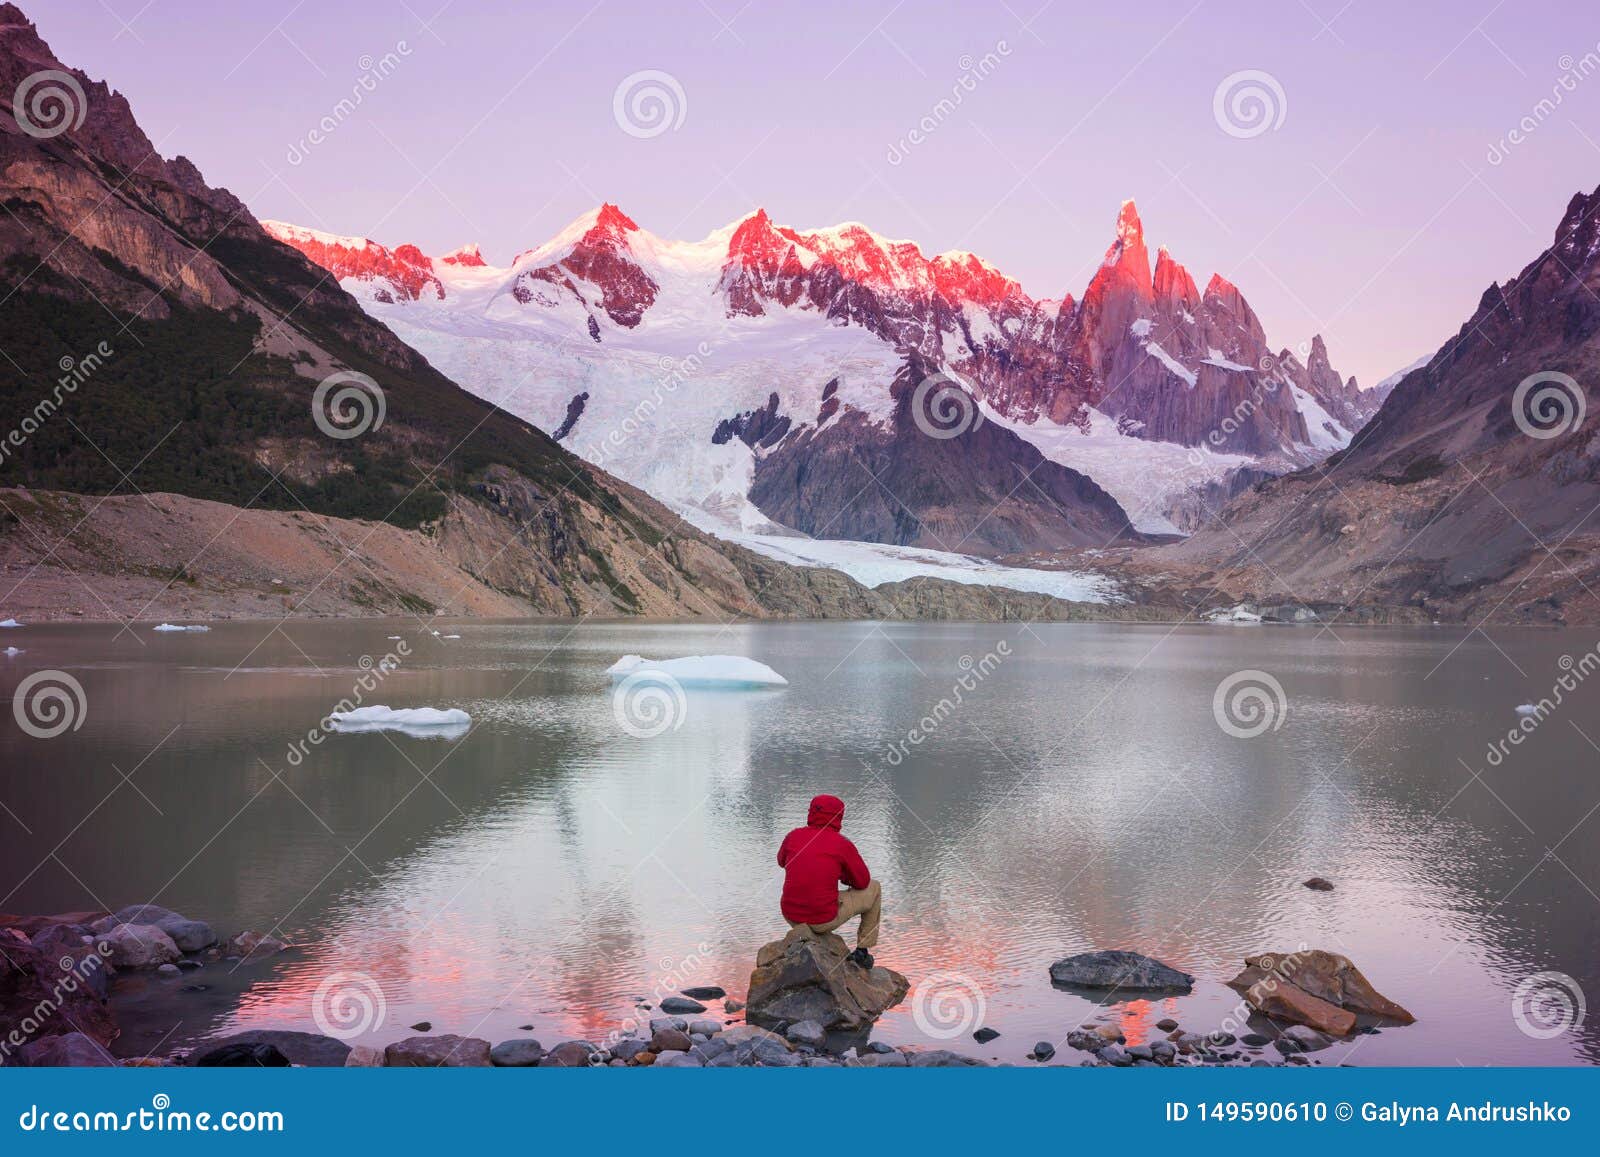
[(1085, 1041), (1124, 971), (1116, 1055), (1044, 1050), (985, 1034), (431, 1052), (1141, 1053), (243, 1056), (1318, 884), (302, 1048), (807, 977), (807, 1032), (253, 946), (705, 992), (730, 1005), (169, 970), (1164, 1051), (422, 1026), (657, 1023), (136, 946), (1308, 1038), (516, 1054), (881, 1047), (1167, 1024), (681, 1004), (71, 1048), (188, 935), (364, 1057), (135, 914), (705, 1025)]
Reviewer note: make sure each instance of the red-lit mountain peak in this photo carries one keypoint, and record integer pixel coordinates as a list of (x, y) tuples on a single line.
[(406, 270), (468, 256), (1173, 285)]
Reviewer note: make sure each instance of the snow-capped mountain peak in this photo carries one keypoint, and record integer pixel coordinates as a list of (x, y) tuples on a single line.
[(794, 337)]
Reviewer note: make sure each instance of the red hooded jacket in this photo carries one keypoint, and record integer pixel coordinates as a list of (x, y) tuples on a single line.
[(816, 859)]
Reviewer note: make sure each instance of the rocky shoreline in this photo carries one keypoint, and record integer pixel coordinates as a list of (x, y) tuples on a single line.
[(805, 1006)]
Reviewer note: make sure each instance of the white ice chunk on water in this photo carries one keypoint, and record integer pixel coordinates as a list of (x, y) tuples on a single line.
[(1527, 709), (421, 722), (175, 627), (1239, 614), (12, 652), (701, 671), (10, 623)]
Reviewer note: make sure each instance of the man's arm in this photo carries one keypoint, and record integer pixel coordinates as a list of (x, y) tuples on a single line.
[(783, 853), (853, 869)]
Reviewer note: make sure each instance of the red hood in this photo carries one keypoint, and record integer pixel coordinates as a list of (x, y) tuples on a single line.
[(827, 811)]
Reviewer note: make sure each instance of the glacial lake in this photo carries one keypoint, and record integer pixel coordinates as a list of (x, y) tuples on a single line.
[(549, 867)]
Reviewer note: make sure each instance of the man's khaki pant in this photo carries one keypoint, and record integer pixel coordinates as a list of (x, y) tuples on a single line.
[(864, 902)]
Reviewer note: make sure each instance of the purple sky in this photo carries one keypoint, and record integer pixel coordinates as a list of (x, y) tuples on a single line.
[(1371, 212)]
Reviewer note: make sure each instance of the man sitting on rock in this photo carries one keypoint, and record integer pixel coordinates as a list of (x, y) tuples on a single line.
[(816, 859)]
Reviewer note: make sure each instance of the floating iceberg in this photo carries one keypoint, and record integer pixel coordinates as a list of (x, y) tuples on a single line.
[(175, 627), (10, 623), (421, 722), (701, 671), (12, 652), (1238, 614), (1527, 709)]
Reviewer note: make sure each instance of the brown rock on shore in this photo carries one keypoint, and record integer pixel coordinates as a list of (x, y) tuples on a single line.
[(1314, 987), (806, 977)]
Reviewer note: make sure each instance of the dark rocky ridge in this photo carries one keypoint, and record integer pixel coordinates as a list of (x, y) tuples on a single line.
[(1444, 503), (981, 491)]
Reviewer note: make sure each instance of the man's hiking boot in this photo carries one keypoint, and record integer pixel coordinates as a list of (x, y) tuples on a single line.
[(862, 959)]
